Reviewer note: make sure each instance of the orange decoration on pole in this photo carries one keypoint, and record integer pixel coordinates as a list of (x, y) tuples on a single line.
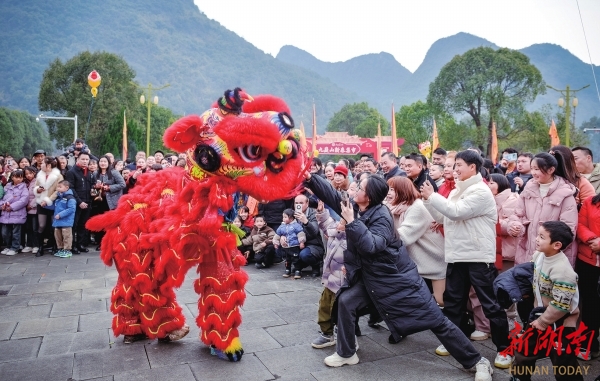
[(494, 151), (394, 135), (554, 139)]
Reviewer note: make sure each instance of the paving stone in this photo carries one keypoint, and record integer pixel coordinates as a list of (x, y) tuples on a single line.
[(187, 296), (359, 372), (109, 362), (35, 288), (62, 343), (40, 327), (5, 290), (261, 319), (185, 351), (59, 276), (79, 267), (96, 293), (24, 313), (12, 350), (94, 322), (249, 369), (6, 330), (42, 368), (53, 297), (78, 307), (300, 359), (293, 334), (25, 279), (78, 284), (14, 301), (300, 297), (296, 314), (262, 302), (256, 340), (178, 372), (44, 270), (413, 343), (272, 287), (423, 367), (62, 262), (110, 275)]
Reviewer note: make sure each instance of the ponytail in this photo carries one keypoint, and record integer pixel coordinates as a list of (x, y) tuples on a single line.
[(561, 169)]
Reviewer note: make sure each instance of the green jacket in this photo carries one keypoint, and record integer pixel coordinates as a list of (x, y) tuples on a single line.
[(595, 178)]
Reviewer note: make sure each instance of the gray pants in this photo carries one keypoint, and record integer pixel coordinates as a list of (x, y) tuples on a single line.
[(351, 300)]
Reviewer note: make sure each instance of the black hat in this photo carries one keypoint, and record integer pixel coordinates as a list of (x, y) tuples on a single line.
[(39, 152)]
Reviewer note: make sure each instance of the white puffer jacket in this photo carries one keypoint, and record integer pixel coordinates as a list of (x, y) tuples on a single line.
[(49, 183), (469, 216)]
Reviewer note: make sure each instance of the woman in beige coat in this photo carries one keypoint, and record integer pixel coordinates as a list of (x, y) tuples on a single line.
[(414, 224)]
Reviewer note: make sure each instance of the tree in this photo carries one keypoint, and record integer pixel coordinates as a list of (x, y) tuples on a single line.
[(21, 134), (64, 91), (486, 81), (415, 124), (358, 119)]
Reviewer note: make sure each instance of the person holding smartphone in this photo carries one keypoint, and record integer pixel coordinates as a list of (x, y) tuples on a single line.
[(313, 252)]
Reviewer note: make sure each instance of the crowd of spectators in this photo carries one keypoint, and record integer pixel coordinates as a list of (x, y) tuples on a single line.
[(416, 243)]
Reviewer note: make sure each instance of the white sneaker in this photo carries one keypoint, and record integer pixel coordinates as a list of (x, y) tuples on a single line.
[(11, 252), (27, 249), (441, 351), (336, 360), (35, 250), (503, 361), (479, 336), (483, 370), (4, 251)]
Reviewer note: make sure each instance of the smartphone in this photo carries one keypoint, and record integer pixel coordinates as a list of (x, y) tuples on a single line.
[(510, 156), (299, 208), (345, 198)]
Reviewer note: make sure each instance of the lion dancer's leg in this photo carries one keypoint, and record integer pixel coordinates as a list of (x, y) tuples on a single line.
[(143, 300), (221, 289)]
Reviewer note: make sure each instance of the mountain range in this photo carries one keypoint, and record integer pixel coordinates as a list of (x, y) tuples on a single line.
[(174, 42), (380, 79)]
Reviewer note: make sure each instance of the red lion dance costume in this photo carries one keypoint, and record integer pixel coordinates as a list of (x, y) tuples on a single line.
[(173, 220)]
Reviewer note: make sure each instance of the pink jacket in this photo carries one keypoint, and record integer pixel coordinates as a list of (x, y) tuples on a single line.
[(506, 203), (532, 210)]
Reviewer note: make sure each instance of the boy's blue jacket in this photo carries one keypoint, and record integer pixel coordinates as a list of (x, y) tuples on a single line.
[(64, 206)]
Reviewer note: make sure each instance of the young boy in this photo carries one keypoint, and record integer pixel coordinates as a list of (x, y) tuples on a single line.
[(556, 302), (261, 239), (436, 172), (291, 237), (64, 216)]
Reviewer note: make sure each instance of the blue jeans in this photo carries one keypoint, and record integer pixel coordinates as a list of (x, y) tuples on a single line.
[(11, 234), (307, 258)]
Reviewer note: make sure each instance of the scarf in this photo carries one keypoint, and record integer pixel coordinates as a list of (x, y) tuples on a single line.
[(398, 213)]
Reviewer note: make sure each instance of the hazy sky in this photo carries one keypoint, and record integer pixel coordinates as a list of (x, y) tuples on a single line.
[(339, 30)]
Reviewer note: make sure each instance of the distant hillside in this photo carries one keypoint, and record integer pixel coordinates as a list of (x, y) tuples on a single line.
[(557, 65), (164, 42), (373, 76)]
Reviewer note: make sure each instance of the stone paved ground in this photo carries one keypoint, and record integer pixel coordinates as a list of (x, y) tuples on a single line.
[(54, 325)]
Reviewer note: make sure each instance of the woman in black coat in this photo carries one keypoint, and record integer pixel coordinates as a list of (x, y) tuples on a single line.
[(379, 271)]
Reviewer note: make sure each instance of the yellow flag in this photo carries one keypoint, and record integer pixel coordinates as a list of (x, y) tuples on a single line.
[(554, 139)]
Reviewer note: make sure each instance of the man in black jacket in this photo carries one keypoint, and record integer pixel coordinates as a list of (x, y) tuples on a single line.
[(389, 166), (416, 170), (312, 254), (80, 180)]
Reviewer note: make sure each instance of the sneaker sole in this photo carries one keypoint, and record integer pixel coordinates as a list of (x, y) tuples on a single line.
[(286, 276), (440, 353), (479, 338), (320, 346), (501, 366)]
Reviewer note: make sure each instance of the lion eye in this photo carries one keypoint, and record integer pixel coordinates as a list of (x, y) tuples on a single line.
[(250, 153)]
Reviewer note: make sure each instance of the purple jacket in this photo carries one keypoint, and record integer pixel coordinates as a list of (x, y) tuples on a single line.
[(333, 276), (18, 198)]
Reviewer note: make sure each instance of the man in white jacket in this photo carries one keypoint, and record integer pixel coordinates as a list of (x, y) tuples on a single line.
[(469, 217)]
